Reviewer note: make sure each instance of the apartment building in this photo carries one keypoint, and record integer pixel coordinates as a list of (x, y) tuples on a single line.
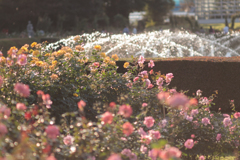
[(215, 11)]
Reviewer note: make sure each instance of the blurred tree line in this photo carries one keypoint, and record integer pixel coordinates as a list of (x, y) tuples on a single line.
[(76, 15)]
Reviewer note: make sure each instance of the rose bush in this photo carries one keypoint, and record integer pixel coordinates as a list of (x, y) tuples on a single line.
[(65, 105)]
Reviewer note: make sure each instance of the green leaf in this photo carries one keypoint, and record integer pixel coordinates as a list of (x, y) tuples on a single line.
[(160, 144)]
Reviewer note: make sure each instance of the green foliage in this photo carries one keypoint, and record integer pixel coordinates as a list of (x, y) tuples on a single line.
[(157, 9), (44, 23), (120, 21)]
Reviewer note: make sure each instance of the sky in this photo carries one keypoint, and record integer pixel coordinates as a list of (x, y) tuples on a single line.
[(177, 2)]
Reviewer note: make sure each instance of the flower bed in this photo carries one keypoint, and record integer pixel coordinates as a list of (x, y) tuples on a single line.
[(62, 105)]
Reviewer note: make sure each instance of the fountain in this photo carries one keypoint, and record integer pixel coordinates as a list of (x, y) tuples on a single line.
[(157, 44)]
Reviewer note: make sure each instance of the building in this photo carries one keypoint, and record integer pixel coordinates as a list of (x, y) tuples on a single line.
[(215, 11)]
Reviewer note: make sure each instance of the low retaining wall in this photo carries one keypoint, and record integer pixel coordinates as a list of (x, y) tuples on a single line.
[(204, 75)]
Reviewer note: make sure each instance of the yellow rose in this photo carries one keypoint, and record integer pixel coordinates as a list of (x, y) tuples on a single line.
[(126, 64), (51, 59), (12, 50), (38, 46), (54, 62), (75, 94), (54, 54), (33, 44), (106, 60), (67, 49), (115, 57), (34, 58), (51, 67), (60, 52), (77, 38), (39, 63), (112, 63), (47, 54), (79, 48), (54, 76), (22, 50), (44, 65), (68, 55), (2, 59), (98, 47), (103, 54), (36, 52)]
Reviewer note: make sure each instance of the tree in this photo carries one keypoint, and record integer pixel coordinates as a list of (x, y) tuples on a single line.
[(122, 7), (19, 12), (157, 9)]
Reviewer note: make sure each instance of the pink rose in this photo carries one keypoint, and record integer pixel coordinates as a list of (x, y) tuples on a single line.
[(141, 60), (189, 144), (143, 74), (3, 130), (125, 111), (169, 77), (194, 112), (153, 154), (178, 100), (204, 101), (127, 128), (22, 60), (219, 136), (144, 105), (51, 157), (193, 102), (1, 81), (151, 72), (68, 140), (141, 132), (159, 81), (133, 156), (171, 152), (52, 131), (81, 104), (126, 152), (205, 121), (154, 134), (146, 139), (227, 121), (114, 157), (163, 96), (193, 136), (112, 105), (199, 93), (46, 100), (147, 83), (7, 113), (21, 106), (135, 79), (149, 121), (226, 115), (143, 149), (189, 118), (201, 157), (151, 64), (96, 64), (163, 123), (172, 91), (22, 89), (236, 115), (107, 117)]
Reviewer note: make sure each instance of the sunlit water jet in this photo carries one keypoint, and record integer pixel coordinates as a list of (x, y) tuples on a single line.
[(163, 44)]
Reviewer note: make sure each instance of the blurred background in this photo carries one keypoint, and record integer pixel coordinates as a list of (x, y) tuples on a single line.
[(51, 20)]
